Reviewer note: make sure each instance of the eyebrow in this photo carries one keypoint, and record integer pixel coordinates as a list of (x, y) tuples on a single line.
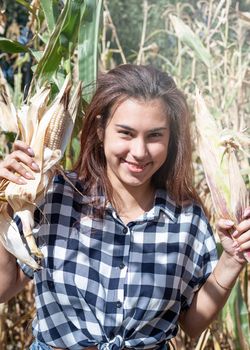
[(131, 129)]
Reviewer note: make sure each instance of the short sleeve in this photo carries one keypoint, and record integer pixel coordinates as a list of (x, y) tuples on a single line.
[(25, 268), (202, 259)]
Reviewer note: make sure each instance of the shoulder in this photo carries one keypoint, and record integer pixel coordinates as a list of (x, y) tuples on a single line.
[(187, 211), (196, 215), (64, 190), (188, 219), (66, 181)]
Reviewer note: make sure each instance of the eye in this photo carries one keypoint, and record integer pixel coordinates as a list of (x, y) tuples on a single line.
[(125, 132), (155, 134)]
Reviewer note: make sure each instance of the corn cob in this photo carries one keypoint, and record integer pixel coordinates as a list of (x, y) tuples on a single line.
[(228, 190), (48, 132)]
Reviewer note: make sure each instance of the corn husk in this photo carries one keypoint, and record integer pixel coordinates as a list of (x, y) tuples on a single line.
[(8, 119), (12, 240), (47, 129), (228, 190)]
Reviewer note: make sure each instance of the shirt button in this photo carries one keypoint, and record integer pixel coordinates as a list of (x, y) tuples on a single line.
[(125, 230), (118, 304), (121, 266)]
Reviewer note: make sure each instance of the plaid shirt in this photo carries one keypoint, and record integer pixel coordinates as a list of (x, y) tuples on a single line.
[(113, 285)]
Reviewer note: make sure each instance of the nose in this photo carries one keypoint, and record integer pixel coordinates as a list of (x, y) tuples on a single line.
[(139, 149)]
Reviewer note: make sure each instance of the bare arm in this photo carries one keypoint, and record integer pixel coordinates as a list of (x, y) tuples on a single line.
[(212, 296), (11, 168), (12, 278)]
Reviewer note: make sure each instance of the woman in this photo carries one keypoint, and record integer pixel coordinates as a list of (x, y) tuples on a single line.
[(128, 252)]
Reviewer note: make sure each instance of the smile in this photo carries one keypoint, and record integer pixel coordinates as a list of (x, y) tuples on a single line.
[(135, 167)]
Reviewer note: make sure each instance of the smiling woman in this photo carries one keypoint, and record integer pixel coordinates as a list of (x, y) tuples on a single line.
[(128, 252), (142, 99), (135, 146)]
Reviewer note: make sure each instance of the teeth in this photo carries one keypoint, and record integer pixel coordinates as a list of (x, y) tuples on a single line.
[(138, 168), (137, 165)]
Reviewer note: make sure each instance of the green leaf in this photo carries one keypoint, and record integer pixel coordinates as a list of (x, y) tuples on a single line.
[(37, 54), (17, 97), (72, 154), (88, 45), (48, 10), (188, 37), (26, 5), (236, 319), (11, 46), (62, 41), (241, 312)]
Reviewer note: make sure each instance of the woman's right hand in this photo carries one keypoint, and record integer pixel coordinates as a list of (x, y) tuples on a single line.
[(11, 167)]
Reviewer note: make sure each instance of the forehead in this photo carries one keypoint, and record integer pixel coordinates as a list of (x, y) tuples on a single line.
[(140, 111)]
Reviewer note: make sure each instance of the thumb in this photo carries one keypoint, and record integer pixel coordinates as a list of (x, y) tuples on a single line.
[(224, 227)]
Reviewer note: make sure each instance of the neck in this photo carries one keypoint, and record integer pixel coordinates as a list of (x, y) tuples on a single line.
[(132, 202)]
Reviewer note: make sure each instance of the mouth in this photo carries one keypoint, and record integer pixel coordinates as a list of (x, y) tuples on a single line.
[(136, 167)]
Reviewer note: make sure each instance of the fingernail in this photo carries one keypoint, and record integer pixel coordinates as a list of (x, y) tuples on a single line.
[(246, 212), (29, 176), (235, 233), (31, 152), (229, 222), (22, 181), (35, 166)]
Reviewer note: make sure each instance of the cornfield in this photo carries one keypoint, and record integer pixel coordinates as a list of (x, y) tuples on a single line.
[(202, 44)]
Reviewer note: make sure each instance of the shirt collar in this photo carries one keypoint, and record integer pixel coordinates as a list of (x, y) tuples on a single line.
[(165, 204), (162, 202)]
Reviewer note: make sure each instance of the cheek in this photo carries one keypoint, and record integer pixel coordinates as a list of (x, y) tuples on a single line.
[(115, 148), (159, 152)]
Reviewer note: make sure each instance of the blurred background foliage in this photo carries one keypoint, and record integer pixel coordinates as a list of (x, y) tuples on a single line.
[(200, 43)]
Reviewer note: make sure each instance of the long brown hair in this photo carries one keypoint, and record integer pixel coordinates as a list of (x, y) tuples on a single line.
[(142, 83)]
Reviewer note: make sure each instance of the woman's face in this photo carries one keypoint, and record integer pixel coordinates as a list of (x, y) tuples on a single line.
[(136, 143)]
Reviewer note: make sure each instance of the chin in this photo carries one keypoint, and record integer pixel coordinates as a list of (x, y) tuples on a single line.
[(135, 182)]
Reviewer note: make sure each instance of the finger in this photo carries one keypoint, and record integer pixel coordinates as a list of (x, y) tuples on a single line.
[(224, 225), (22, 146), (242, 227), (15, 166), (243, 242), (242, 231), (246, 214), (8, 175), (22, 157)]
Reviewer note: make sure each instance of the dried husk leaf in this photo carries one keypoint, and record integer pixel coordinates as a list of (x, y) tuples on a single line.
[(239, 193), (24, 198), (8, 120), (187, 36), (30, 115), (212, 156), (228, 190), (11, 240)]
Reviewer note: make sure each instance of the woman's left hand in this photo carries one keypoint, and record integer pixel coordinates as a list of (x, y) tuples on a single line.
[(236, 239)]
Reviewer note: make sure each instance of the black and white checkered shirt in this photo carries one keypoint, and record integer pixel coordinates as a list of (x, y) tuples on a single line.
[(113, 285)]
